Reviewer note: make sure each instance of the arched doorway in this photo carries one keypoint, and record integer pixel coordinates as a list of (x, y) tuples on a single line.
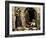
[(31, 16)]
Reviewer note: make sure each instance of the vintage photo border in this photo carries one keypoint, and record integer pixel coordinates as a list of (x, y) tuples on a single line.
[(25, 31), (7, 18)]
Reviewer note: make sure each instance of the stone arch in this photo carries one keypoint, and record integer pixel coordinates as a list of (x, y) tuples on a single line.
[(30, 13)]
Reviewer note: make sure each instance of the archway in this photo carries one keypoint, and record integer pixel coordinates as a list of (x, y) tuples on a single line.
[(31, 16)]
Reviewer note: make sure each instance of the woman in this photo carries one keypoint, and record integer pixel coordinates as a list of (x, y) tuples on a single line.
[(18, 22)]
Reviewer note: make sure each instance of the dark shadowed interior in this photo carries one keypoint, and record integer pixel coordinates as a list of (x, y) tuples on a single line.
[(31, 12)]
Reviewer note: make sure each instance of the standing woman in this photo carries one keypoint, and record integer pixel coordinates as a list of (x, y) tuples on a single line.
[(18, 22)]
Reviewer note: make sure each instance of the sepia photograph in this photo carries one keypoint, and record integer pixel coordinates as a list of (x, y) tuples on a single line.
[(24, 18)]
